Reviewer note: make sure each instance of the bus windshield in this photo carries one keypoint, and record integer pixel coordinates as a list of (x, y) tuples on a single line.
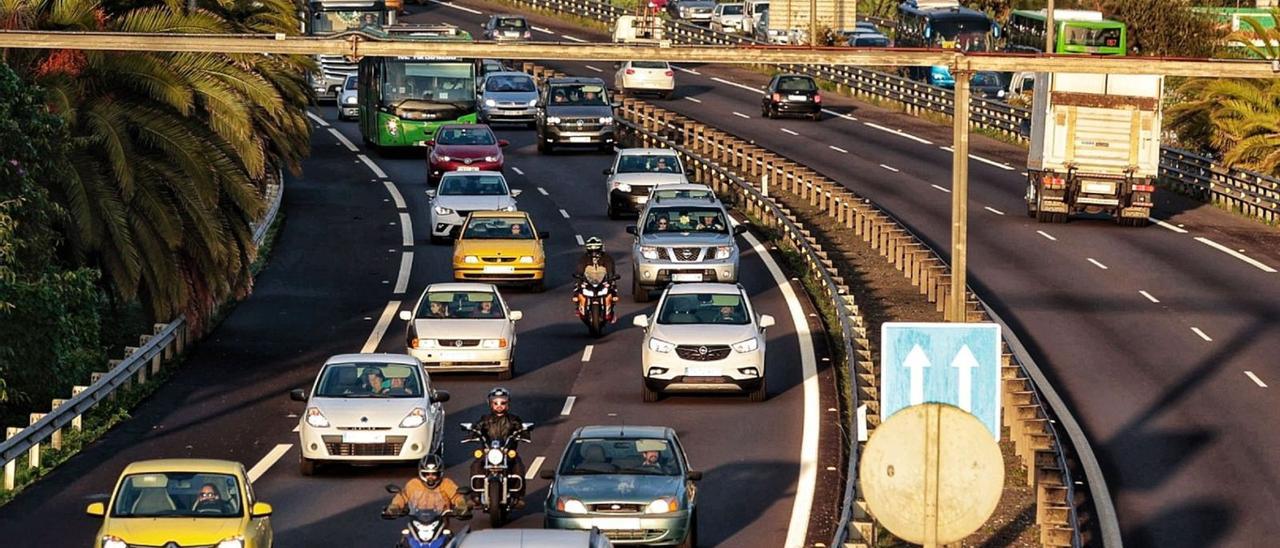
[(432, 81), (969, 34), (328, 22)]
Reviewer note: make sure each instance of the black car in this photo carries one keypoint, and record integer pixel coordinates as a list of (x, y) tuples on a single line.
[(574, 111), (792, 94), (987, 85)]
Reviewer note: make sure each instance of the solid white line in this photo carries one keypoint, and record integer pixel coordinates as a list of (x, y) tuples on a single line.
[(890, 168), (993, 210), (586, 353), (456, 7), (737, 85), (395, 194), (589, 67), (694, 99), (406, 266), (1148, 296), (899, 133), (1197, 331), (1174, 228), (406, 230), (380, 328), (543, 191), (533, 468), (517, 170), (741, 115), (578, 237), (803, 505), (571, 39), (837, 149), (787, 131), (1255, 379), (1046, 235), (568, 405), (1097, 264), (372, 166), (944, 189), (1235, 254), (690, 71), (343, 138), (981, 159), (265, 464), (564, 213), (318, 119), (544, 30), (839, 114)]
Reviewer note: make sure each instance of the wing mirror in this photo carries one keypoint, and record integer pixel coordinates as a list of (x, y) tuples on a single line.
[(631, 229), (439, 396), (393, 488), (406, 315), (503, 142), (297, 394), (694, 475), (431, 142), (516, 315), (431, 193), (766, 321), (260, 510), (543, 234), (547, 474), (739, 230), (96, 509), (515, 193), (606, 171), (641, 320)]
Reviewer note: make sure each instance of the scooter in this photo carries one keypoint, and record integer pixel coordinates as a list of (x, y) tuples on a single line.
[(600, 299), (496, 485), (427, 528)]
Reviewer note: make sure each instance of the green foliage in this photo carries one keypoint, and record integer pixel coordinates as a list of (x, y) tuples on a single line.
[(1166, 28)]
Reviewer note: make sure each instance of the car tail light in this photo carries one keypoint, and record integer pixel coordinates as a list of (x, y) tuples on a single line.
[(528, 34), (669, 73), (1144, 188), (817, 98), (777, 97), (631, 71)]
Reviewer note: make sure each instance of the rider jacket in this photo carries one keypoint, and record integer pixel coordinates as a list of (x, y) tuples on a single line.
[(498, 427), (605, 264), (417, 496)]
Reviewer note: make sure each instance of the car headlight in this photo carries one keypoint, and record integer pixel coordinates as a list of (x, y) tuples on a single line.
[(428, 343), (526, 259), (507, 208), (553, 119), (533, 102), (570, 505), (1000, 93), (490, 103), (724, 251), (117, 542), (659, 345), (749, 345), (316, 418), (623, 187), (415, 418), (236, 542), (490, 159), (441, 158), (350, 100), (493, 344), (664, 505), (471, 259), (649, 252), (441, 210), (606, 120), (393, 127)]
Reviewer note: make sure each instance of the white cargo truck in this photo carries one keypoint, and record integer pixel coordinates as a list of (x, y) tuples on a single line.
[(1095, 146), (791, 17)]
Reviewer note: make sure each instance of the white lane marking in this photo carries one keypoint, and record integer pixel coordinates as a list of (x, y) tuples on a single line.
[(564, 213), (568, 405), (1235, 254), (839, 114), (1046, 235), (343, 138), (1255, 379), (578, 237), (803, 505), (318, 119), (586, 353), (380, 328), (589, 67), (406, 230), (694, 99), (296, 428), (1202, 335), (544, 30), (1149, 296), (741, 115), (1097, 264), (737, 85), (456, 7), (890, 168), (533, 468), (1177, 229), (993, 210), (690, 71), (543, 191), (406, 266), (837, 149), (571, 39), (787, 131), (395, 194), (517, 170), (372, 166), (981, 159), (271, 458), (898, 133), (944, 189)]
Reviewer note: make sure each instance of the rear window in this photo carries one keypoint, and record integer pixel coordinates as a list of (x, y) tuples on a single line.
[(509, 83), (465, 136), (511, 23), (473, 185), (650, 64), (796, 83)]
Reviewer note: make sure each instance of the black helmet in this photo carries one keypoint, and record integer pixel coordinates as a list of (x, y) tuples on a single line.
[(594, 243), (431, 464)]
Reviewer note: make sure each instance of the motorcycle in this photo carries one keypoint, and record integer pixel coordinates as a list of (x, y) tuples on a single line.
[(600, 299), (497, 484), (427, 528)]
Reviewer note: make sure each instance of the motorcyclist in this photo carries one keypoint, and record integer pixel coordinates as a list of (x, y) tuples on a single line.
[(429, 491), (595, 266), (497, 425)]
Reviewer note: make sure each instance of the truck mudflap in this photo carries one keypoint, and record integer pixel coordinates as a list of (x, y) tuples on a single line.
[(1053, 206)]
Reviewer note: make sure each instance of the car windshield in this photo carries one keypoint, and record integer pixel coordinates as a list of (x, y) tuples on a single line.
[(514, 23), (369, 380), (465, 136), (704, 308), (352, 83), (461, 305), (513, 82), (686, 219), (731, 9), (650, 65), (578, 95), (648, 163), (796, 83), (177, 494), (471, 184), (643, 456), (871, 41), (498, 228), (985, 79)]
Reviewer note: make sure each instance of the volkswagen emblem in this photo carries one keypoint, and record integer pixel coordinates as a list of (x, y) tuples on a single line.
[(458, 343), (702, 351)]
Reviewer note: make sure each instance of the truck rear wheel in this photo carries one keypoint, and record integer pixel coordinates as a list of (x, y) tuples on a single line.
[(1047, 217)]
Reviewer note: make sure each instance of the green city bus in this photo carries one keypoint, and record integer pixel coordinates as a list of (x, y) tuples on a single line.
[(1080, 32), (404, 100)]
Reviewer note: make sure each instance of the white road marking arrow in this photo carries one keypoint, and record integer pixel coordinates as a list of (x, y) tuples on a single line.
[(966, 363), (916, 361)]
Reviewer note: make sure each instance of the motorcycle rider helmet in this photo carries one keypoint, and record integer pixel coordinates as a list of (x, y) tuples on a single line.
[(431, 470), (594, 243), (499, 392)]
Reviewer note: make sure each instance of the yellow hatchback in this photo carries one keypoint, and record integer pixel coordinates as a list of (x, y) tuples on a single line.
[(497, 247), (183, 502)]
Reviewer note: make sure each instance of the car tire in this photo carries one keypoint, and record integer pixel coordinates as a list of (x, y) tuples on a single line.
[(761, 392), (510, 371), (638, 292), (817, 116), (764, 111), (538, 286), (611, 212), (647, 394), (691, 538), (439, 240), (306, 466), (545, 147)]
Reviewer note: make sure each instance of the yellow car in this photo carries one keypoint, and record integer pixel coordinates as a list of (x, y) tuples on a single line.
[(499, 246), (211, 499)]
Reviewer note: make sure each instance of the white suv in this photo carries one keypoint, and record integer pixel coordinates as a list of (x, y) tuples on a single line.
[(705, 337)]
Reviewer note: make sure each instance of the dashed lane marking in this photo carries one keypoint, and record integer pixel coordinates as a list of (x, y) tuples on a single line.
[(1235, 254), (568, 405), (564, 213), (1046, 235), (271, 458), (1255, 379), (517, 170), (840, 114), (533, 468), (1097, 264), (898, 133), (406, 230), (690, 71), (1202, 334), (373, 167), (787, 131), (544, 30), (380, 329), (343, 138), (402, 279), (993, 210), (837, 149), (694, 99), (944, 189), (586, 353), (456, 7), (589, 67), (395, 194), (578, 237), (543, 191), (981, 159), (319, 120), (741, 115), (1149, 296), (890, 168), (737, 85), (571, 38)]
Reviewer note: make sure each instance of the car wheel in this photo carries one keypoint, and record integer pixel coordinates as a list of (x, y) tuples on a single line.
[(648, 394), (611, 212), (439, 240), (764, 111), (510, 371), (306, 466), (816, 116), (544, 146), (638, 292), (761, 392), (538, 286), (691, 538)]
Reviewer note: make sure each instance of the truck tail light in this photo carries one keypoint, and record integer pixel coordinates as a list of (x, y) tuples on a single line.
[(1054, 183), (669, 73), (1144, 188), (631, 71)]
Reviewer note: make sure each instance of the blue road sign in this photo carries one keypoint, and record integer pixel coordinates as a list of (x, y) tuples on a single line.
[(952, 363)]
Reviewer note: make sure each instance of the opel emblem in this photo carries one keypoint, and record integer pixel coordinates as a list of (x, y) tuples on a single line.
[(458, 343), (702, 351)]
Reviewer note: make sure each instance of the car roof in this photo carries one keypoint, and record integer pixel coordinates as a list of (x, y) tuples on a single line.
[(183, 465), (508, 73), (575, 80), (498, 214), (646, 152), (468, 126), (384, 357), (680, 202), (525, 538), (461, 286), (696, 288), (624, 431), (448, 174)]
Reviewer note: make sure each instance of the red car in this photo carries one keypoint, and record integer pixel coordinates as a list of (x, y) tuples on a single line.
[(463, 147)]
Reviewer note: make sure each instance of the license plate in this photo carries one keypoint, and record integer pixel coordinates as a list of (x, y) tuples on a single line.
[(702, 372), (364, 437), (456, 356), (468, 168), (798, 97), (499, 269), (1099, 188), (616, 524), (579, 139), (686, 277)]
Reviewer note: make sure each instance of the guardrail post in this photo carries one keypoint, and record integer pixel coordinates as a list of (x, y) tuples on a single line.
[(77, 423), (33, 456), (11, 466), (56, 439), (156, 329)]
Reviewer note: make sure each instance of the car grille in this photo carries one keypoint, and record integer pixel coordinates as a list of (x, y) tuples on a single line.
[(616, 508), (336, 66), (131, 545), (702, 353), (364, 428), (635, 534), (457, 343), (579, 124), (641, 190), (498, 259), (337, 448), (685, 254)]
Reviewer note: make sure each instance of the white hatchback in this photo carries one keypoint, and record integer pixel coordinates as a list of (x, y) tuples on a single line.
[(460, 193), (463, 327), (645, 77)]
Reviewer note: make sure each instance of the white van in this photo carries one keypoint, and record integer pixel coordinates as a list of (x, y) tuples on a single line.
[(751, 15)]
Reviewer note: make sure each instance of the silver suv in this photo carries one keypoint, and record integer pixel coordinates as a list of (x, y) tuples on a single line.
[(637, 171), (682, 240)]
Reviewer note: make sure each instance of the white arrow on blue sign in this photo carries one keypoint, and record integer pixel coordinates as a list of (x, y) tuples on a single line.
[(952, 363)]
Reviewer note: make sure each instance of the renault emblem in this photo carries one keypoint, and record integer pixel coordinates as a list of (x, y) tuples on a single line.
[(702, 351)]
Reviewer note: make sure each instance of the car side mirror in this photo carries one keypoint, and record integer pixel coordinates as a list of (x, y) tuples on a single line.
[(739, 230), (431, 193), (297, 394), (543, 234), (431, 142), (631, 229), (606, 171), (96, 509), (694, 475), (406, 315), (393, 488), (547, 474), (641, 320), (439, 396), (503, 142), (515, 193), (766, 321), (260, 510), (516, 315)]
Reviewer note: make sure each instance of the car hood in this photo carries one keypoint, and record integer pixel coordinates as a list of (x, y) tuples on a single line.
[(385, 412), (466, 151), (686, 238), (474, 203), (650, 178), (505, 248), (461, 329), (618, 487), (184, 531), (602, 110), (517, 96), (701, 334)]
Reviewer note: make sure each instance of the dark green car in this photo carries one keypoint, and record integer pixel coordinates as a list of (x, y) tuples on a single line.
[(632, 482)]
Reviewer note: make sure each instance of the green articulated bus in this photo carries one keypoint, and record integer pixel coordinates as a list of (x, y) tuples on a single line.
[(1078, 31), (404, 100)]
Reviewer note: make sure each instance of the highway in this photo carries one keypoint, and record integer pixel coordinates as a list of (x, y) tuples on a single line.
[(1162, 339), (331, 287)]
